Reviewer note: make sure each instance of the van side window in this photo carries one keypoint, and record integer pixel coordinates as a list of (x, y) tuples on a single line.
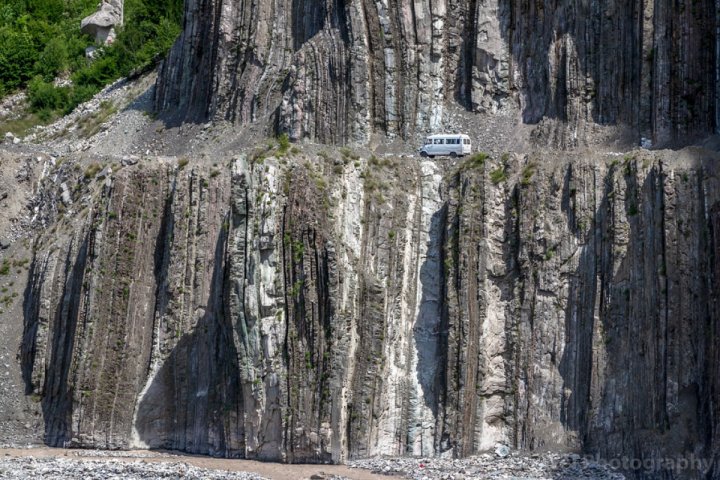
[(439, 141)]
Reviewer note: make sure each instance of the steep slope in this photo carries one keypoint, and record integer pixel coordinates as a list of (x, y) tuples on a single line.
[(336, 308), (340, 71)]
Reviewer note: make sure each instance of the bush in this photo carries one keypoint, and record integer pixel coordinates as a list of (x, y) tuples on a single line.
[(98, 74), (498, 175), (45, 96), (476, 161), (78, 95), (527, 174), (53, 59), (17, 58), (283, 144), (92, 170)]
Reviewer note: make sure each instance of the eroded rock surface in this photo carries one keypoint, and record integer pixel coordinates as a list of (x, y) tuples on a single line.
[(101, 24), (340, 71), (330, 309)]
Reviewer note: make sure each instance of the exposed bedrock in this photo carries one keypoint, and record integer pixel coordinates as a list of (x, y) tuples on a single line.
[(319, 312), (340, 71)]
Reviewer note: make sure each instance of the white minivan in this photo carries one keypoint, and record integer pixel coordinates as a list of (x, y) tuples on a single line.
[(455, 145)]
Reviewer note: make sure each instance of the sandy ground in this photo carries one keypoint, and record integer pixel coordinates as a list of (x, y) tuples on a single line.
[(275, 471)]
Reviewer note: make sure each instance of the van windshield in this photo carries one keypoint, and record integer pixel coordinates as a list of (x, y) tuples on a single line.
[(428, 141)]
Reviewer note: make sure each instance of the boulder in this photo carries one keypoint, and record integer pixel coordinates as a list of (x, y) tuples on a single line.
[(65, 194), (128, 160), (101, 23)]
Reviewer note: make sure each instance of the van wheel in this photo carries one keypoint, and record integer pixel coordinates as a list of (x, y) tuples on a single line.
[(423, 154), (431, 156), (453, 155)]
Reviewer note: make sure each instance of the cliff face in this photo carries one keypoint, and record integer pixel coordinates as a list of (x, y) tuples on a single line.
[(340, 308), (340, 71), (305, 306)]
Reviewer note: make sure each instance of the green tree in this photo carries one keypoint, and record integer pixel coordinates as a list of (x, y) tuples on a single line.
[(45, 96), (53, 59), (17, 58)]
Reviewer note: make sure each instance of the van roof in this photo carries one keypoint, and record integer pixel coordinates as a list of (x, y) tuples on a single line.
[(443, 135)]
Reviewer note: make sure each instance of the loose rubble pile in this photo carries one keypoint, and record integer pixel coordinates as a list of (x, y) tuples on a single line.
[(11, 138), (486, 466), (110, 465), (124, 102), (10, 105), (63, 468)]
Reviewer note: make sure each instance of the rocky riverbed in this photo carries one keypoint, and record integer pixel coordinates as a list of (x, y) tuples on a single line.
[(489, 466), (86, 464), (70, 468), (43, 463)]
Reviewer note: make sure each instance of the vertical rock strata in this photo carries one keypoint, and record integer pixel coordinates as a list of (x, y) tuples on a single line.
[(340, 71), (319, 312)]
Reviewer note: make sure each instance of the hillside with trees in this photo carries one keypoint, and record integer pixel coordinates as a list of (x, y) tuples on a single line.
[(40, 41)]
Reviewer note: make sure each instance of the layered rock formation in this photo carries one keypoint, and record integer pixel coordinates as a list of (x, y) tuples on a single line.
[(338, 72), (335, 309), (313, 307)]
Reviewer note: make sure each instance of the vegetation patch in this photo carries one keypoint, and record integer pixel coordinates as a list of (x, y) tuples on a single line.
[(629, 165), (377, 162), (92, 170), (498, 175), (21, 125), (296, 289), (348, 154), (527, 174), (283, 144), (475, 162)]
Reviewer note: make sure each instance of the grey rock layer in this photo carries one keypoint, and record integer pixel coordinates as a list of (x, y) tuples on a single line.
[(311, 312), (340, 71)]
